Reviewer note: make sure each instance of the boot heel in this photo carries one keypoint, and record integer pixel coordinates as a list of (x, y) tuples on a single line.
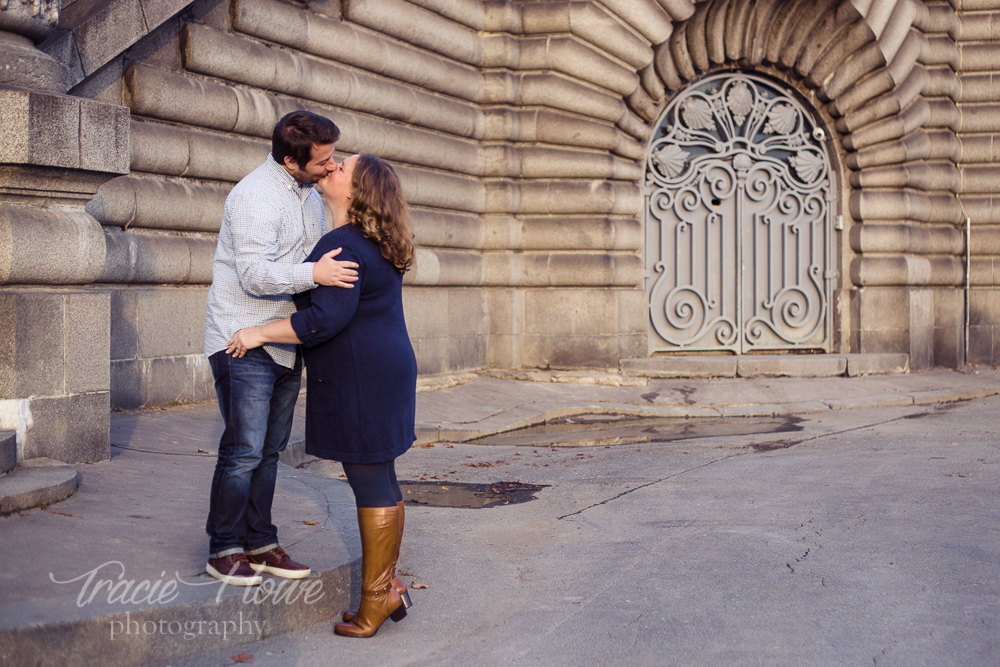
[(399, 614), (406, 599)]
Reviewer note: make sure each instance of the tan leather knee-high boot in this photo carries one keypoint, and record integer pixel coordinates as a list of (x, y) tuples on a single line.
[(379, 528), (397, 583)]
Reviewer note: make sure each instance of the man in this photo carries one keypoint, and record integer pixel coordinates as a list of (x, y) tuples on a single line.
[(272, 220)]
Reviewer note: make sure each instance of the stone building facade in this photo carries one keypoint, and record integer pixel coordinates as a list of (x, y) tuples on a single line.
[(542, 150)]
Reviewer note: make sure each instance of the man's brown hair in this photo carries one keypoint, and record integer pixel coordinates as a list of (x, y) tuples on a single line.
[(295, 134)]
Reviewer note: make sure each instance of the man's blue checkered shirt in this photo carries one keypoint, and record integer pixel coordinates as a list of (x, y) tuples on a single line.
[(269, 227)]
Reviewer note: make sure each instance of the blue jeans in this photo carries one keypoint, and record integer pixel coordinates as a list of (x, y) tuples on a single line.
[(257, 400)]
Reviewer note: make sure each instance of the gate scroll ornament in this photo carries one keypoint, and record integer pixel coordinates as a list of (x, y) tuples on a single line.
[(738, 221)]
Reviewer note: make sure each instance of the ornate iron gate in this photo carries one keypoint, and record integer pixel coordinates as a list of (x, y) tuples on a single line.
[(738, 219)]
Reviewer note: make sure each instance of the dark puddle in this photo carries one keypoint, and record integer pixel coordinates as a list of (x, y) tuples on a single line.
[(473, 496), (598, 429)]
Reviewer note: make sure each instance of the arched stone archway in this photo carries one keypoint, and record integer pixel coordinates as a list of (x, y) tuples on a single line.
[(740, 201), (904, 103)]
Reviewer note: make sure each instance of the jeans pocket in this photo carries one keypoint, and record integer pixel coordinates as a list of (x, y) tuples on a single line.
[(321, 395)]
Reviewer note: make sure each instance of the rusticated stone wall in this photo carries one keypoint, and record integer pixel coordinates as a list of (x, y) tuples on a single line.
[(976, 31), (509, 130), (519, 130)]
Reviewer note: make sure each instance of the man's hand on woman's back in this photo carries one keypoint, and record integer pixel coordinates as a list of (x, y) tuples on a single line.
[(330, 272)]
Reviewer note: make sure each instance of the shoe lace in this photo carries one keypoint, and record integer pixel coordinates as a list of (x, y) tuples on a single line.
[(233, 561)]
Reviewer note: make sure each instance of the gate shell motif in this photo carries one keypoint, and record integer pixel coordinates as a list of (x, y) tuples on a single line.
[(739, 221)]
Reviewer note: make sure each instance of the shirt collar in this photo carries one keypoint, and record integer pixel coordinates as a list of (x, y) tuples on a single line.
[(287, 179)]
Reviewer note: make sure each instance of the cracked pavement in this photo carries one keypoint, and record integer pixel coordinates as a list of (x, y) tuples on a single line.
[(867, 537)]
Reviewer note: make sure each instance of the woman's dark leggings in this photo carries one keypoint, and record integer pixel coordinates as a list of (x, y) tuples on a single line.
[(374, 484)]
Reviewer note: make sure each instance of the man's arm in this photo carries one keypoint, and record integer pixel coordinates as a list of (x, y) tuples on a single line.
[(328, 312)]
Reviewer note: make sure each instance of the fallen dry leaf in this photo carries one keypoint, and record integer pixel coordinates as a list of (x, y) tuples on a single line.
[(46, 509), (309, 523), (444, 488), (203, 451), (485, 464), (418, 586), (242, 657)]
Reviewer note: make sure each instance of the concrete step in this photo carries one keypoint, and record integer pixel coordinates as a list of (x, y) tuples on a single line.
[(766, 365), (168, 618), (8, 451), (35, 482)]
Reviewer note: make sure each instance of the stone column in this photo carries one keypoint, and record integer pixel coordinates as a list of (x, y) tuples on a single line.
[(55, 150)]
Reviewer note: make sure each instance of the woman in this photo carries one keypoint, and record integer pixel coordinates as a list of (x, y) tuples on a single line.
[(362, 373)]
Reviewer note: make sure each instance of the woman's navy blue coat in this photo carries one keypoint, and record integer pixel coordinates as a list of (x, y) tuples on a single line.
[(361, 372)]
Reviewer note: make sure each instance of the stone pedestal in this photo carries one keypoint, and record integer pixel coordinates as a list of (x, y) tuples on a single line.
[(924, 323), (55, 151), (54, 372)]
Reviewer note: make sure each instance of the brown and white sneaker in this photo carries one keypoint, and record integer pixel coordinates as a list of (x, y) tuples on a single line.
[(233, 570), (277, 562)]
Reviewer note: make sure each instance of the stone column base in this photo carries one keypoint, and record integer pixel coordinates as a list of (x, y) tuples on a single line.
[(54, 373)]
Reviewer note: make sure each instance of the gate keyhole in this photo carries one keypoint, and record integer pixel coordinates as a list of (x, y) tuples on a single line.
[(715, 203)]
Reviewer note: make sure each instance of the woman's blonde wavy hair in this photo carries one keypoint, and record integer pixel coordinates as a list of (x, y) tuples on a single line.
[(378, 209)]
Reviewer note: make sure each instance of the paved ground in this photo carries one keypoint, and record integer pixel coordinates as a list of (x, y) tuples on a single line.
[(868, 537)]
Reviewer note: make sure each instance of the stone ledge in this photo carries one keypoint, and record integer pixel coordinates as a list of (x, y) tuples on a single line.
[(294, 454), (681, 367), (46, 129), (782, 365), (8, 451), (584, 377), (37, 482), (766, 365), (877, 364)]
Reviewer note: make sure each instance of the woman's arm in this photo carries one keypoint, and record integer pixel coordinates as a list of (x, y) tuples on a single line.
[(251, 337), (328, 312), (329, 309)]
